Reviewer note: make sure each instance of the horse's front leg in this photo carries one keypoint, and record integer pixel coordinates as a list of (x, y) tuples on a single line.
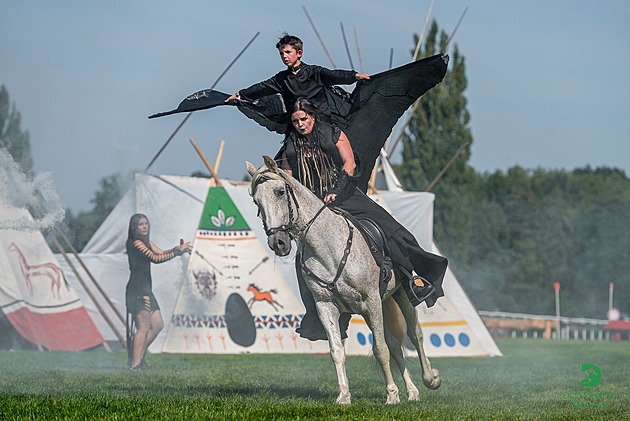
[(329, 316)]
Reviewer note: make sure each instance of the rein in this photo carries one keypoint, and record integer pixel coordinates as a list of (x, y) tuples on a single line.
[(332, 285)]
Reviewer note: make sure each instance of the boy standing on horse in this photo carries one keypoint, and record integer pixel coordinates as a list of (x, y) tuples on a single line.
[(299, 80)]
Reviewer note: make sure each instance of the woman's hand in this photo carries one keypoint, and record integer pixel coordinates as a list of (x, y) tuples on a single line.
[(330, 198), (184, 248), (362, 76)]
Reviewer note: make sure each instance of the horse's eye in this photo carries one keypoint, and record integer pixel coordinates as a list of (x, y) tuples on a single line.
[(280, 193)]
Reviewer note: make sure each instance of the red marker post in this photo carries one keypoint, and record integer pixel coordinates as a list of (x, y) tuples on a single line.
[(556, 287)]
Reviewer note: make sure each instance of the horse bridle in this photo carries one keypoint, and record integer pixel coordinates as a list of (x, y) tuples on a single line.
[(290, 197), (261, 178)]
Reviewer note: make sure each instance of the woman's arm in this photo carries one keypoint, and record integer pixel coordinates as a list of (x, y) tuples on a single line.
[(151, 254), (347, 156)]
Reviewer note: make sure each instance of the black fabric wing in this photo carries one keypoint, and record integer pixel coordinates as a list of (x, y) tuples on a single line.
[(368, 116), (268, 111), (201, 100)]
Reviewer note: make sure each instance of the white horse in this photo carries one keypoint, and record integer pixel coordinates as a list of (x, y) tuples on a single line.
[(339, 269)]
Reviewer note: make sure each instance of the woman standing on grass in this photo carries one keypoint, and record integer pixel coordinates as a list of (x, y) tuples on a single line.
[(144, 319)]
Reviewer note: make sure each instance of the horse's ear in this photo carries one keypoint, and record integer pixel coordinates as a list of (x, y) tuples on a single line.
[(250, 168), (271, 163)]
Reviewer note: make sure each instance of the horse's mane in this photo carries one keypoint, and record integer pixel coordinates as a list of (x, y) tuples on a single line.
[(263, 174)]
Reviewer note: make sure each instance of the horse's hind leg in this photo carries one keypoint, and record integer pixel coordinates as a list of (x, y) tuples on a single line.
[(329, 316), (430, 376), (374, 319), (395, 350)]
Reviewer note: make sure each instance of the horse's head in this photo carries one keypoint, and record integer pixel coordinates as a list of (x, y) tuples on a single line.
[(272, 194)]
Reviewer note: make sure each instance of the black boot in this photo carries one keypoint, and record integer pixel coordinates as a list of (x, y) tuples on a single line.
[(417, 288)]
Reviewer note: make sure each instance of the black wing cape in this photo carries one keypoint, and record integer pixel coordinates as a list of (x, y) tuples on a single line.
[(367, 115)]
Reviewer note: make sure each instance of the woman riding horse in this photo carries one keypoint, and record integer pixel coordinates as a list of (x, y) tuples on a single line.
[(319, 155)]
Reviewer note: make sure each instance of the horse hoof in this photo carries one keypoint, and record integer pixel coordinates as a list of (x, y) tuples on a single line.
[(413, 395), (434, 382), (392, 396), (393, 400), (343, 399)]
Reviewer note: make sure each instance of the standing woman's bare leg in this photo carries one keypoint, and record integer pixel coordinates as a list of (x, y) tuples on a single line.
[(154, 329), (143, 323)]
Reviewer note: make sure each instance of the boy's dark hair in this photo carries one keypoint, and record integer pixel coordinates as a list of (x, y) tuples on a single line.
[(289, 40)]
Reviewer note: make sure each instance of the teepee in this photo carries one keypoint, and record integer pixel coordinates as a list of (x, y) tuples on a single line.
[(233, 299), (34, 295)]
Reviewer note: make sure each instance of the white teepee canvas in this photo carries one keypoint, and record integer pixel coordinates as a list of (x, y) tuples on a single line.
[(233, 299), (34, 295), (175, 206)]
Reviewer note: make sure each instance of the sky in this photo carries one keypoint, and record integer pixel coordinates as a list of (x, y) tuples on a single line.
[(548, 83)]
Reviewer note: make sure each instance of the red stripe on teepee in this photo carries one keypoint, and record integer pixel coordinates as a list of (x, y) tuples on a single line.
[(68, 331)]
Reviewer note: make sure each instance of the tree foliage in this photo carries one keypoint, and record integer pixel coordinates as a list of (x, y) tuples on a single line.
[(509, 236), (12, 137), (80, 227), (438, 129)]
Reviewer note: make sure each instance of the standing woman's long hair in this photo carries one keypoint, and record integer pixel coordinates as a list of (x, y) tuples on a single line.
[(133, 233)]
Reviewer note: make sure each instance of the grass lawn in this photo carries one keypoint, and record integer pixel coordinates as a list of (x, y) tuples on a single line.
[(535, 379)]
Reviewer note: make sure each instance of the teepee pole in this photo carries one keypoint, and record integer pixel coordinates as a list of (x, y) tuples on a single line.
[(217, 161), (190, 113), (89, 293), (345, 42), (319, 38), (447, 166), (98, 286), (205, 161), (356, 41)]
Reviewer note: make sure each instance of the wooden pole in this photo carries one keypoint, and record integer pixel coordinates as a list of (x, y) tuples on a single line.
[(205, 161), (446, 167), (319, 38), (424, 28), (98, 286), (82, 282), (345, 43), (417, 102), (217, 161), (356, 41), (190, 113)]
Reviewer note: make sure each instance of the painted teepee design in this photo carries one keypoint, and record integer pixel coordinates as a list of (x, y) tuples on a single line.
[(233, 299)]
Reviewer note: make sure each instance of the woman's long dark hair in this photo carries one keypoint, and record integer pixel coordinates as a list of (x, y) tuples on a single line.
[(133, 234)]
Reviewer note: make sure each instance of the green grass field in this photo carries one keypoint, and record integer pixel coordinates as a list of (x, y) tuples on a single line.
[(536, 379)]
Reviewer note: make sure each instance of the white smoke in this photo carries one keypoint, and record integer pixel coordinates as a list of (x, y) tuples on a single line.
[(19, 190)]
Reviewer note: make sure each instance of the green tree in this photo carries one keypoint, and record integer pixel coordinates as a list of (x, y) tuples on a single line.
[(438, 129), (12, 137), (80, 227)]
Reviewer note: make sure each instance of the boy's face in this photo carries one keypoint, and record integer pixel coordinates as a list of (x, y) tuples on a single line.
[(290, 57)]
